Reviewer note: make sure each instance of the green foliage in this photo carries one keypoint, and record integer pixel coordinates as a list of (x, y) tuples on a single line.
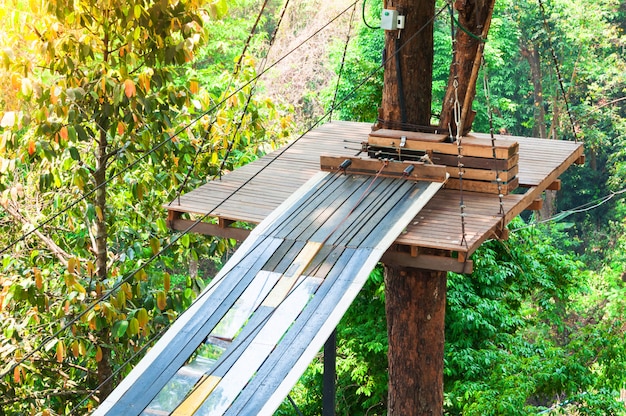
[(118, 103), (361, 359)]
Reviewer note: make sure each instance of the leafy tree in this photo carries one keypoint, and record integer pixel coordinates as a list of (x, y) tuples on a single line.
[(118, 116)]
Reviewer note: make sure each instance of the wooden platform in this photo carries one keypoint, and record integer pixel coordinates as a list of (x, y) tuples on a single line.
[(433, 240), (244, 343)]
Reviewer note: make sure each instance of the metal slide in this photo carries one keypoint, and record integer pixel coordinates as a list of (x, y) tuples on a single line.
[(250, 335)]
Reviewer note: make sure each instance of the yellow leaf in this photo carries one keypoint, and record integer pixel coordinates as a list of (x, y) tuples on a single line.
[(133, 327), (129, 88), (91, 269), (155, 244), (98, 354), (142, 317), (60, 351), (75, 348), (99, 213), (38, 279), (17, 374), (166, 282), (194, 87), (161, 300), (128, 290), (121, 128), (63, 133), (71, 265)]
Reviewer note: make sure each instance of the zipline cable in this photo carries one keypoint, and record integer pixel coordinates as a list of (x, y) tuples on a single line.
[(557, 68), (246, 182), (244, 112), (199, 220), (343, 62), (283, 150), (169, 139)]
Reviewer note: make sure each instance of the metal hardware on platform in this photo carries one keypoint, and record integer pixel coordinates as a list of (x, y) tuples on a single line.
[(409, 169), (345, 165)]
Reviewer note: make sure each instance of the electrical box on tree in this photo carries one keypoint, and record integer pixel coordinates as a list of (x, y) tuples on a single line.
[(389, 19)]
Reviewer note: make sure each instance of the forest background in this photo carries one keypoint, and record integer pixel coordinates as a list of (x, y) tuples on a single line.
[(110, 109)]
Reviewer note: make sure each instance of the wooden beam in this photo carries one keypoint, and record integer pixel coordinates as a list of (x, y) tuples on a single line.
[(471, 146), (484, 187), (536, 205), (555, 186), (580, 160), (427, 262), (393, 169), (215, 230)]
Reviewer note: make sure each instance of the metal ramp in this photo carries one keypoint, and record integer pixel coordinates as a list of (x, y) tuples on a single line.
[(250, 335)]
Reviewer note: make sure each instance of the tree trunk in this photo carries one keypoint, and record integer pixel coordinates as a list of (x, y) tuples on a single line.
[(104, 365), (407, 90), (531, 54), (475, 17), (415, 305)]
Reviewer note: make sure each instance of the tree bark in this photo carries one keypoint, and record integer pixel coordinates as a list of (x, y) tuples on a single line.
[(475, 17), (104, 365), (415, 305), (531, 54), (407, 90)]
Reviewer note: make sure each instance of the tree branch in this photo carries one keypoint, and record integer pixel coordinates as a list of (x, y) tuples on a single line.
[(62, 255)]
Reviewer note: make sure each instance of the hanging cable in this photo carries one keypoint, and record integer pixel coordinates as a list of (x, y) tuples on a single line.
[(493, 140), (231, 143), (457, 121), (204, 216), (365, 19), (343, 61), (169, 138), (558, 69)]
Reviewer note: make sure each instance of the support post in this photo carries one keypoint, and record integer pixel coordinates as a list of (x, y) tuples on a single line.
[(328, 386), (415, 306)]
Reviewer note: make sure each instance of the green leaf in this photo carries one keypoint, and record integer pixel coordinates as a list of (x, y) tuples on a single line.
[(119, 328)]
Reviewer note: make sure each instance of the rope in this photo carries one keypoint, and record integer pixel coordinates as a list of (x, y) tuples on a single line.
[(493, 139), (343, 61), (457, 121), (250, 35), (558, 70), (204, 216)]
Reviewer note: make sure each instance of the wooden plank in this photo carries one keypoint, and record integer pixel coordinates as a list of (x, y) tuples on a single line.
[(195, 399), (427, 262), (352, 215), (387, 168), (289, 278), (482, 174), (248, 302), (263, 343), (410, 135), (186, 334), (376, 209), (291, 345), (476, 147), (488, 163), (483, 187)]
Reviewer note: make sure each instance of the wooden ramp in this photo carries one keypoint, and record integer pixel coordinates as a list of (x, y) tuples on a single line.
[(247, 339)]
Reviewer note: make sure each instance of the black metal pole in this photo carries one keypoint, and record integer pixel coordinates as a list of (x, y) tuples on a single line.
[(328, 386)]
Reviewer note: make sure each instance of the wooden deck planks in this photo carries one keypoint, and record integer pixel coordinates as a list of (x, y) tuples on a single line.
[(540, 163)]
